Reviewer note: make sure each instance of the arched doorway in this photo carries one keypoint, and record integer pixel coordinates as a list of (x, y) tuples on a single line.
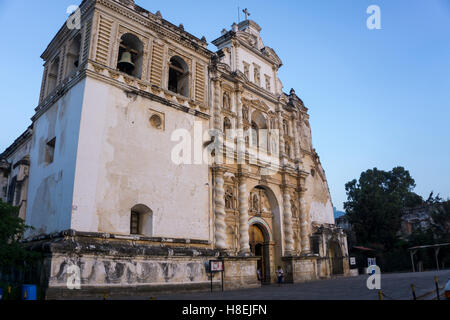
[(336, 258), (265, 230), (259, 246)]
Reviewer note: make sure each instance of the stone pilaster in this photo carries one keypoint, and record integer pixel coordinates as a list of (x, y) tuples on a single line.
[(217, 107), (244, 241), (304, 224), (240, 127), (281, 131), (298, 156), (219, 200), (236, 55), (287, 219)]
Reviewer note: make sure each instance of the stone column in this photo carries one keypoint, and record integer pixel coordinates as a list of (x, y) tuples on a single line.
[(240, 127), (218, 124), (281, 131), (219, 200), (217, 108), (304, 224), (236, 55), (298, 156), (244, 242), (287, 219)]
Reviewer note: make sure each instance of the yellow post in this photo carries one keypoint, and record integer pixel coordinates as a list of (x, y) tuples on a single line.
[(25, 294), (413, 292), (380, 295), (104, 296), (436, 281)]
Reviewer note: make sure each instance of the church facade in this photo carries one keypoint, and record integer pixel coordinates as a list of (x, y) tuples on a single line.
[(150, 155)]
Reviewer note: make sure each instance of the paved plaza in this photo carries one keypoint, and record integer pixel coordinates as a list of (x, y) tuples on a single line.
[(394, 287)]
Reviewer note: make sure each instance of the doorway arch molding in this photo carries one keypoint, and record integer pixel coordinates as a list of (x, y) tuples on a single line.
[(264, 227)]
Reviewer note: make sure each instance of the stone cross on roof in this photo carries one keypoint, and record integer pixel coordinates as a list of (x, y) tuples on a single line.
[(247, 13)]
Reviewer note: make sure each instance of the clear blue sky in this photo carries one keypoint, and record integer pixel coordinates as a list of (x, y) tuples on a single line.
[(377, 98)]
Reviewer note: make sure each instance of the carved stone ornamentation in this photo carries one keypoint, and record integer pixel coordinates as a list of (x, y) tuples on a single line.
[(243, 218), (230, 200), (287, 217), (220, 225), (245, 113), (226, 102)]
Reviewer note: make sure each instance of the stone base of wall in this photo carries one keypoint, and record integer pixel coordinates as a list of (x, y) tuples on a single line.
[(123, 267), (125, 291), (300, 269), (240, 272)]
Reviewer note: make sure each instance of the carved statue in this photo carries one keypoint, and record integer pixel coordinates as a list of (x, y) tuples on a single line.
[(273, 144), (265, 205), (229, 199), (247, 70), (288, 150), (245, 113), (257, 76), (255, 203), (272, 123), (294, 209), (226, 101)]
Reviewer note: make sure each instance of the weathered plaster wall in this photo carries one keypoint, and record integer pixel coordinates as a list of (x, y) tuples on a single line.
[(51, 185), (124, 161), (318, 198), (112, 271)]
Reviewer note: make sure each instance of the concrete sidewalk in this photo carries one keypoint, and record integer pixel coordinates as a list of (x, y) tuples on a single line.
[(394, 287)]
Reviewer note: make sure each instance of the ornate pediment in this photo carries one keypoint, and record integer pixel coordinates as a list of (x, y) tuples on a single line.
[(269, 52), (256, 103), (249, 39), (240, 76), (223, 67)]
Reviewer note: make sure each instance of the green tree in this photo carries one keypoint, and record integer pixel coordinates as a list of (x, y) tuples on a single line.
[(440, 218), (12, 228), (375, 203)]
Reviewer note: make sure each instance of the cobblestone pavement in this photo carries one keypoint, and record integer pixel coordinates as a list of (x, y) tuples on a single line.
[(394, 287)]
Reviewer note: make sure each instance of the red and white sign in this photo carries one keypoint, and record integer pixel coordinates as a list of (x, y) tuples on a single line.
[(216, 266)]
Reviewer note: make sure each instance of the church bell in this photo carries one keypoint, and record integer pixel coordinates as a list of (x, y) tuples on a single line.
[(126, 64)]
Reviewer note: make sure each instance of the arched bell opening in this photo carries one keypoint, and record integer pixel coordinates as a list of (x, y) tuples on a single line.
[(53, 75), (130, 55), (73, 55), (179, 76)]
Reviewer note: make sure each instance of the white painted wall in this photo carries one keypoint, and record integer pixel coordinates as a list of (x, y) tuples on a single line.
[(266, 68), (123, 161), (50, 188)]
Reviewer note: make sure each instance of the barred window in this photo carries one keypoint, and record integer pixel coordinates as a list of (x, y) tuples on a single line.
[(134, 224)]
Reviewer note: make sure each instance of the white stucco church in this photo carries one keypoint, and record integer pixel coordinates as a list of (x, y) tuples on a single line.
[(95, 175)]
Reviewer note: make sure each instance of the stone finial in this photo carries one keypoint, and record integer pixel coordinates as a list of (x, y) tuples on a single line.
[(292, 92), (235, 27), (224, 31), (181, 26), (203, 39), (158, 14)]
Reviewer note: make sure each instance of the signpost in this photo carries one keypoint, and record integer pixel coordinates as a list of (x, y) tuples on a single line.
[(216, 266)]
